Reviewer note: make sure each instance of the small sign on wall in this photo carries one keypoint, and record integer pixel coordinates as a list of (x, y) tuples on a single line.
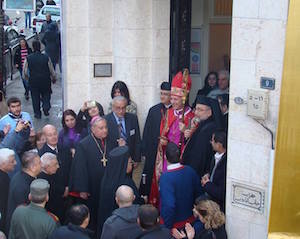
[(248, 197), (102, 69)]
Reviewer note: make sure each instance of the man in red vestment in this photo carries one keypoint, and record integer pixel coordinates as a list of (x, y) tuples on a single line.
[(173, 124)]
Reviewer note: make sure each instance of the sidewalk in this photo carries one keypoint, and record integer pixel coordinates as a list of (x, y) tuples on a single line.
[(15, 88)]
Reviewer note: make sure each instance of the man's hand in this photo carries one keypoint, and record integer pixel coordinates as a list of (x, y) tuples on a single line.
[(145, 198), (187, 133), (121, 142), (163, 141), (17, 66), (84, 195), (20, 126), (54, 80), (204, 180), (182, 127), (72, 152), (6, 129), (66, 193)]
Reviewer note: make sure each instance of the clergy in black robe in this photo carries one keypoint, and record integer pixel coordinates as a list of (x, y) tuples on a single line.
[(51, 173), (61, 177), (198, 151), (19, 186), (89, 165), (7, 164), (117, 173), (151, 136)]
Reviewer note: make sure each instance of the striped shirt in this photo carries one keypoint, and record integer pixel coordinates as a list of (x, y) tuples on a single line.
[(24, 54)]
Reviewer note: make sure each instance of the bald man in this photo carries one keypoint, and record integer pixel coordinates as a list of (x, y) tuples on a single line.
[(123, 222), (61, 177)]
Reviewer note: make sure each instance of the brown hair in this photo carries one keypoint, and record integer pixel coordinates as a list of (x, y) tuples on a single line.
[(212, 216)]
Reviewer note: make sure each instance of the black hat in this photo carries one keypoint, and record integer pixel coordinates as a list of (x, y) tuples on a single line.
[(165, 86), (203, 100), (118, 152)]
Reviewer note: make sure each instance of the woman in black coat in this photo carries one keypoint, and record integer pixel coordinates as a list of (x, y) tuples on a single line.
[(21, 54), (211, 216)]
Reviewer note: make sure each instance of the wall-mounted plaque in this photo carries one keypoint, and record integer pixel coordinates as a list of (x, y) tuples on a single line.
[(248, 197), (102, 70)]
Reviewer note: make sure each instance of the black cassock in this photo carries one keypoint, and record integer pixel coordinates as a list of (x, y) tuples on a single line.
[(149, 144), (56, 201), (88, 170), (4, 186), (114, 176), (59, 181), (198, 150)]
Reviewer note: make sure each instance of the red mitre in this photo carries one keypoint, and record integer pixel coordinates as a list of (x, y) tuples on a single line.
[(178, 86)]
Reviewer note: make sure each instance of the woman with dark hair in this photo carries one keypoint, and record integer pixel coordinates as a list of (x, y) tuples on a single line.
[(89, 110), (120, 88), (21, 53), (117, 173), (213, 219), (210, 83), (72, 131)]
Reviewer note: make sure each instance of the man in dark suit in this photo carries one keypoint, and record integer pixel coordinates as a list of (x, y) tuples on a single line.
[(214, 184), (124, 127), (61, 178)]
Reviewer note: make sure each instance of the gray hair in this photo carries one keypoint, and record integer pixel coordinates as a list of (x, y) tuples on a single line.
[(28, 158), (118, 98), (2, 235), (95, 120), (225, 73), (47, 158), (125, 194), (5, 153)]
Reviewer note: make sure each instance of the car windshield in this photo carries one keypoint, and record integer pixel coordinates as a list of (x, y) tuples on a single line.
[(52, 11)]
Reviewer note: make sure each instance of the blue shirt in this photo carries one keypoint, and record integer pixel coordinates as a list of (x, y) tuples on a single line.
[(12, 121)]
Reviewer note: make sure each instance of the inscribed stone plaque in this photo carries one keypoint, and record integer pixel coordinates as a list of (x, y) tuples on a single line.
[(103, 70), (248, 197)]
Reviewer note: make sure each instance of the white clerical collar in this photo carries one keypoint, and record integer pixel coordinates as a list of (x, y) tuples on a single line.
[(179, 112), (168, 106), (218, 157), (53, 148), (174, 166)]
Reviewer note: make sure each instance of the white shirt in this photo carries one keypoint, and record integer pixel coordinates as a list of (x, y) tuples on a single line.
[(174, 166)]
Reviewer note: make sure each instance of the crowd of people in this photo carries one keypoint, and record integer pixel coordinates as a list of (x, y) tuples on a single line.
[(98, 178)]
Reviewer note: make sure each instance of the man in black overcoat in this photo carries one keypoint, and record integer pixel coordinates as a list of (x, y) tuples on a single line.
[(198, 151)]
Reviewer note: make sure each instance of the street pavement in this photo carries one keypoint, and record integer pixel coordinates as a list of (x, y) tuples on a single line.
[(15, 88)]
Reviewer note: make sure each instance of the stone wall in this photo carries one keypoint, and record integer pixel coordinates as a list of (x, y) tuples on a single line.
[(257, 49), (133, 35)]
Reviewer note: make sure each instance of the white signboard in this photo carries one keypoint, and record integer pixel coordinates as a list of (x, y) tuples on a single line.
[(19, 5)]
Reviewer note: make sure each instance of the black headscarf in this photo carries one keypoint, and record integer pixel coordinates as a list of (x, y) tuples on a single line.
[(115, 175)]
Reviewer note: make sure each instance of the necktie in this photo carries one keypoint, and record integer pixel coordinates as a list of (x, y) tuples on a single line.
[(122, 130)]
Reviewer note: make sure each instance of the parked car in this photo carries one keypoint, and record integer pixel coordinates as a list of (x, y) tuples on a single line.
[(11, 36), (41, 17), (40, 3)]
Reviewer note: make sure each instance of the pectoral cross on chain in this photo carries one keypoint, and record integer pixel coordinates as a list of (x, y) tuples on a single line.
[(104, 161)]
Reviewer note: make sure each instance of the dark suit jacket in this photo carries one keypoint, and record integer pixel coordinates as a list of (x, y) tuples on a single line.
[(217, 188), (132, 131), (64, 158)]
